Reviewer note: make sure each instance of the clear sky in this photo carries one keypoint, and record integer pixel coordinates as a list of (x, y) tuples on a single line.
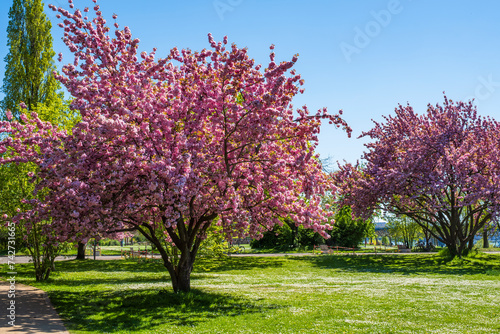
[(364, 57)]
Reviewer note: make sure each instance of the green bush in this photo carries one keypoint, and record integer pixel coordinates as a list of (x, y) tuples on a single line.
[(348, 232), (286, 237), (467, 253), (280, 237), (215, 244), (444, 252), (479, 243)]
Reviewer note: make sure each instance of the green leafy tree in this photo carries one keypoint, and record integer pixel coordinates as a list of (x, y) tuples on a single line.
[(348, 232), (29, 64), (403, 228), (215, 243), (13, 187), (427, 230)]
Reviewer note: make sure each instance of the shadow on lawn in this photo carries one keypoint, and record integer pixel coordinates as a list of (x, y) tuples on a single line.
[(408, 264), (117, 265), (138, 309), (201, 265), (138, 273)]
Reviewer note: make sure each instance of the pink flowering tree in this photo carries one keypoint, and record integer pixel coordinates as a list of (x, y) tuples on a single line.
[(170, 146), (19, 177), (441, 169)]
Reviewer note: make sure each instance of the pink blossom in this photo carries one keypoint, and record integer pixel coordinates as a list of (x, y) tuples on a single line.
[(440, 169), (174, 144)]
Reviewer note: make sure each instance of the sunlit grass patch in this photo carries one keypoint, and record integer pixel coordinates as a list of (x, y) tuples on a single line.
[(322, 294)]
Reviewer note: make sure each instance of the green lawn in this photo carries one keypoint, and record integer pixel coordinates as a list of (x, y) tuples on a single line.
[(314, 294)]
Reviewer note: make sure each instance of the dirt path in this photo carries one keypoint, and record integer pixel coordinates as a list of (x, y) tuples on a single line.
[(31, 311)]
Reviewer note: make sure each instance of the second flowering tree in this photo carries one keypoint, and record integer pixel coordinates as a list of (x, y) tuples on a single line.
[(440, 169)]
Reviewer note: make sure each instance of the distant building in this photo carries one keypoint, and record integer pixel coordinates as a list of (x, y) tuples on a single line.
[(380, 226)]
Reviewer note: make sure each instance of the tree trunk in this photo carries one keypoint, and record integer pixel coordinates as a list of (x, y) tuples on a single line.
[(486, 243), (453, 249), (427, 238), (181, 274), (471, 243), (184, 278), (39, 275), (81, 251), (187, 241)]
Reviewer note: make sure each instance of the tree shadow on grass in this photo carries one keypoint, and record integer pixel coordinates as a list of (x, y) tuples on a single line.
[(130, 272), (117, 265), (408, 264), (140, 309), (156, 265)]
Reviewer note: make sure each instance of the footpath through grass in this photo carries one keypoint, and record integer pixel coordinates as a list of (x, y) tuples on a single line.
[(314, 294)]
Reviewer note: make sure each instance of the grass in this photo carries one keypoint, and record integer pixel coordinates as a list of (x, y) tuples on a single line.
[(313, 294)]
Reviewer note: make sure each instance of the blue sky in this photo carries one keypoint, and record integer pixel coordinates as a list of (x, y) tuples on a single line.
[(364, 57)]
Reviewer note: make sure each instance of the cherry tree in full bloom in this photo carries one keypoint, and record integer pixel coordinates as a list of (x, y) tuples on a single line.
[(441, 169), (170, 146)]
